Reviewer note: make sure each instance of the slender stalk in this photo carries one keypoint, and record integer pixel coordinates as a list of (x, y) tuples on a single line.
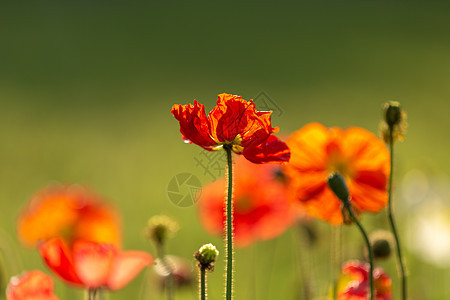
[(202, 283), (229, 226), (369, 247), (392, 220), (169, 283)]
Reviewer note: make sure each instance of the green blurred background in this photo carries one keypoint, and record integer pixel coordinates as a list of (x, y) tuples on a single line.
[(86, 89)]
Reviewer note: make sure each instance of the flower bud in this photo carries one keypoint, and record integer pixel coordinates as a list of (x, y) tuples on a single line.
[(337, 184), (381, 241), (394, 122), (206, 256), (160, 228), (392, 113)]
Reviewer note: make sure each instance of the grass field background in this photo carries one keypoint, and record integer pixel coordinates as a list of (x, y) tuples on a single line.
[(86, 90)]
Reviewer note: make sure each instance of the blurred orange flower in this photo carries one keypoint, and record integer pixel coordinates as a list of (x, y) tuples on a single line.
[(261, 207), (71, 212), (355, 153), (233, 121), (32, 285), (93, 265), (354, 284)]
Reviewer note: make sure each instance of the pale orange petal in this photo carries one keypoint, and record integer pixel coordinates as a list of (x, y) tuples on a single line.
[(127, 266), (325, 206), (93, 262)]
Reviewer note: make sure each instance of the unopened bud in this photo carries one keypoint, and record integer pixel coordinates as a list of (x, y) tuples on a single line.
[(381, 241), (207, 256), (392, 113), (337, 184)]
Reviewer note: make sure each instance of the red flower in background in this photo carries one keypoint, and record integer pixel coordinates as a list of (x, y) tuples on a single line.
[(355, 153), (233, 121), (354, 285), (32, 285), (71, 212), (261, 207), (93, 265)]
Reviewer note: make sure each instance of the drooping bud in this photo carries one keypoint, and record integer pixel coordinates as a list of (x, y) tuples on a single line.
[(337, 184), (206, 256), (160, 228)]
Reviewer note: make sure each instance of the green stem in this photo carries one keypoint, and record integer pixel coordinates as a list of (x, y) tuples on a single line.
[(369, 247), (392, 220), (229, 226), (202, 283), (162, 257)]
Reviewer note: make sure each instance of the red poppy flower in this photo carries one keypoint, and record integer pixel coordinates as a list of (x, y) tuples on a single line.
[(73, 212), (93, 265), (355, 153), (233, 121), (32, 285), (354, 285), (261, 207)]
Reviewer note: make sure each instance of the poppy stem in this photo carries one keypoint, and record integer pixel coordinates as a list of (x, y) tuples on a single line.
[(392, 220), (347, 205), (169, 282), (202, 283), (229, 226)]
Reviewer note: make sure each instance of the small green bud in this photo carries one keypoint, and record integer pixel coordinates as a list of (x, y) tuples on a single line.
[(337, 184), (393, 127), (160, 228), (207, 256)]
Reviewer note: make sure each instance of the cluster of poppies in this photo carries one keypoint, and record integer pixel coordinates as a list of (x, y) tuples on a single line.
[(275, 184)]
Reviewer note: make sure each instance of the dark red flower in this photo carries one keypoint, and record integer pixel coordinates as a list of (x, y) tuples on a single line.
[(233, 121)]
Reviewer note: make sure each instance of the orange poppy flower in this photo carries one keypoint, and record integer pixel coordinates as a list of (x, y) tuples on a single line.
[(355, 285), (233, 121), (355, 153), (32, 285), (71, 212), (93, 265), (261, 207)]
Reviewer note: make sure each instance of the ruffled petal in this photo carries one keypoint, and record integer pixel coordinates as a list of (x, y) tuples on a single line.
[(194, 124), (127, 266), (58, 258), (272, 151), (233, 116), (325, 206)]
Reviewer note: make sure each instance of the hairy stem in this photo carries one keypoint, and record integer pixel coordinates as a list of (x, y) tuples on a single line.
[(392, 220), (229, 226), (202, 283)]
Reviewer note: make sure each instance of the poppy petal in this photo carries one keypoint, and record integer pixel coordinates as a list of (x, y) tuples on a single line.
[(127, 266), (58, 258), (194, 124), (272, 151), (93, 261), (30, 285), (233, 116)]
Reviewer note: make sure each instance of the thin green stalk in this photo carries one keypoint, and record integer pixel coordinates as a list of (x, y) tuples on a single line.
[(162, 257), (369, 247), (392, 220), (229, 227), (202, 283)]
